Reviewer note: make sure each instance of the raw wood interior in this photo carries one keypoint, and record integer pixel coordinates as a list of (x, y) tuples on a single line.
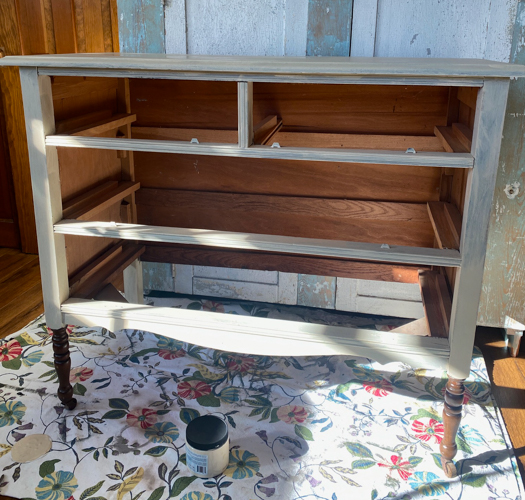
[(398, 205)]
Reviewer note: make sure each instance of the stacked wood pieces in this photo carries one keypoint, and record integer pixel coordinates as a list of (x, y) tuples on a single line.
[(104, 270)]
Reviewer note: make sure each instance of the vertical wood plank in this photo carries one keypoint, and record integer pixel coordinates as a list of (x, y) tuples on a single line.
[(78, 12), (295, 27), (38, 106), (133, 283), (11, 95), (503, 291), (114, 26), (245, 111), (183, 276), (490, 111), (64, 26), (448, 28), (364, 23), (107, 28), (500, 29), (175, 22), (93, 26), (329, 25), (287, 291), (141, 26), (31, 20), (49, 29), (230, 27)]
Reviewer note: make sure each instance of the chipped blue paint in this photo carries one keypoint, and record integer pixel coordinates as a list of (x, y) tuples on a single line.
[(316, 291), (329, 27), (141, 26)]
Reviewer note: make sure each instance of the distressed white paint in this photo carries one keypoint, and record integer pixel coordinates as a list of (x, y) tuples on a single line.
[(380, 157), (486, 142), (346, 294), (287, 292), (389, 307), (387, 290), (183, 276), (231, 27), (499, 30), (407, 70), (263, 242), (45, 182), (255, 335), (364, 19), (295, 27), (228, 289), (225, 273), (376, 297), (175, 26), (444, 28)]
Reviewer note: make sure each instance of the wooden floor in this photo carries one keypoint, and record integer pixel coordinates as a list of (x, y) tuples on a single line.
[(20, 290), (21, 302)]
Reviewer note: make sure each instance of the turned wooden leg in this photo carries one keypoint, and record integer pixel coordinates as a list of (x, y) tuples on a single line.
[(454, 393), (63, 367)]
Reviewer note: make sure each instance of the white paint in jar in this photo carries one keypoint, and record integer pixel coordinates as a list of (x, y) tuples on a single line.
[(207, 446)]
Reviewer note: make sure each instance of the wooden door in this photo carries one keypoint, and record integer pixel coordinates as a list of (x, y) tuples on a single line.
[(36, 27)]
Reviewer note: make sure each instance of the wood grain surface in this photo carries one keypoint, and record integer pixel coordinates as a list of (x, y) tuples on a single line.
[(373, 222), (283, 177)]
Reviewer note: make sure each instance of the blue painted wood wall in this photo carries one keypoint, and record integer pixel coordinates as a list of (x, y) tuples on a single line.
[(141, 26), (329, 27)]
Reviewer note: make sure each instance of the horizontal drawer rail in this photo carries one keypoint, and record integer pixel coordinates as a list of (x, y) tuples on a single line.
[(260, 336), (425, 159), (262, 242)]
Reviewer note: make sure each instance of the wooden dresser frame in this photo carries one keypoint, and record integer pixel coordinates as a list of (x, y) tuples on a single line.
[(56, 221)]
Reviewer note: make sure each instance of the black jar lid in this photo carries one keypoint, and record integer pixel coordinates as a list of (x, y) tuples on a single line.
[(206, 433)]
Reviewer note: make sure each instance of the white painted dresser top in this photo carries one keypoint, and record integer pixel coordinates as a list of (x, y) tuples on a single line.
[(247, 67)]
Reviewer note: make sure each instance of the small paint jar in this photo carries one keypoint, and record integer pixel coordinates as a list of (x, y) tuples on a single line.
[(207, 446)]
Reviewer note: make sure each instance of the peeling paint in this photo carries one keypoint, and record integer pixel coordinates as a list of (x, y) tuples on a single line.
[(316, 291)]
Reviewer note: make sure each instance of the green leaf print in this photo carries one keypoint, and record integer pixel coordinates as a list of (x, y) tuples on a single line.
[(188, 414), (114, 414), (12, 364), (157, 494), (91, 491), (359, 450), (474, 480), (118, 404), (363, 464), (156, 451), (79, 389), (47, 467), (304, 432), (209, 400), (181, 484)]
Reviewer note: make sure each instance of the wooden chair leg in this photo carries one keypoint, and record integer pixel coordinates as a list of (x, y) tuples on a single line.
[(63, 367), (454, 393)]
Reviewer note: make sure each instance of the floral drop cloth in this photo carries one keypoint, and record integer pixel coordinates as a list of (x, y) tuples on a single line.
[(330, 428)]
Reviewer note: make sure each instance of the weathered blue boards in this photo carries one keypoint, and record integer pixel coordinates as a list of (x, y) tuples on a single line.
[(141, 26), (329, 27)]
